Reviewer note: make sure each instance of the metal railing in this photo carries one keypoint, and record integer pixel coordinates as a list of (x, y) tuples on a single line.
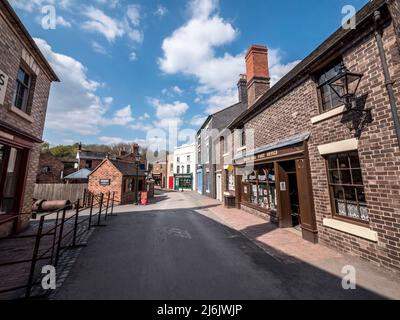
[(50, 243)]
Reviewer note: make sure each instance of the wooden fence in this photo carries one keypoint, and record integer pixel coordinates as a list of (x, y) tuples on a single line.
[(71, 192)]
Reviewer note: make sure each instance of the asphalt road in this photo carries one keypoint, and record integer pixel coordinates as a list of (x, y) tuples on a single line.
[(171, 251)]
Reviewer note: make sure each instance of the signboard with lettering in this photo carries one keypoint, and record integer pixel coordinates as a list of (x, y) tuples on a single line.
[(3, 86), (105, 182)]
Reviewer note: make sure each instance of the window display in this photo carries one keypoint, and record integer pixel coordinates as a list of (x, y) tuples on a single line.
[(263, 189)]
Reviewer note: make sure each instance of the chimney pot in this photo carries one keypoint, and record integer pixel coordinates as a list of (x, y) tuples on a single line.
[(258, 80)]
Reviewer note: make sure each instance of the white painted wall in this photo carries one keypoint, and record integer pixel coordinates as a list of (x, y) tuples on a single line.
[(182, 153)]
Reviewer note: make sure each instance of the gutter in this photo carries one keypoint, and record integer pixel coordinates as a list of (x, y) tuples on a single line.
[(388, 80)]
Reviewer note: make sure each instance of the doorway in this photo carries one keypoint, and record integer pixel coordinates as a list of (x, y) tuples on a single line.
[(219, 187), (289, 194), (10, 172)]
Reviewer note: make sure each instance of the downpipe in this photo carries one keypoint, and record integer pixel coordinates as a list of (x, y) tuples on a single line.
[(388, 81)]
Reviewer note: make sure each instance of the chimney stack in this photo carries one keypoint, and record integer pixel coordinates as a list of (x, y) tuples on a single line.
[(258, 80), (242, 88), (135, 149)]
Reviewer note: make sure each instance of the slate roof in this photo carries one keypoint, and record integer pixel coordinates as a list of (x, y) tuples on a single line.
[(93, 155), (79, 175), (126, 168)]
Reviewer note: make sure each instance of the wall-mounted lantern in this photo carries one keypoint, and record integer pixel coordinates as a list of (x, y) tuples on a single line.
[(345, 85)]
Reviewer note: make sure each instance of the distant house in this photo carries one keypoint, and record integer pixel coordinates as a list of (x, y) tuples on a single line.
[(120, 177), (51, 169)]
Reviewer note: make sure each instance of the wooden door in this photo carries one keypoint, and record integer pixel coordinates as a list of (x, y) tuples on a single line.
[(284, 207)]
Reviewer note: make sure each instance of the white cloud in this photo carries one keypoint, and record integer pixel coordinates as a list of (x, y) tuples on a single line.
[(132, 56), (168, 114), (30, 5), (112, 140), (191, 50), (133, 13), (177, 90), (110, 3), (74, 105), (198, 120), (97, 47), (122, 117), (62, 22), (99, 22), (161, 11)]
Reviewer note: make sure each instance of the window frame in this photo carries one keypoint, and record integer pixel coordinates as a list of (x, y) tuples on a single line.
[(26, 100), (332, 198), (318, 86)]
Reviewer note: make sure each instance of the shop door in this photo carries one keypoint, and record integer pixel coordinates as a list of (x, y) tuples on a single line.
[(219, 187), (171, 183), (10, 179), (288, 195)]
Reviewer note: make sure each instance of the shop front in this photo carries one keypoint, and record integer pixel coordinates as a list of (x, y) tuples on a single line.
[(277, 185), (14, 154), (183, 181)]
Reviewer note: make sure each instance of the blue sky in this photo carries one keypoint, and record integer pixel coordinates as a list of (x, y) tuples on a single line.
[(131, 67)]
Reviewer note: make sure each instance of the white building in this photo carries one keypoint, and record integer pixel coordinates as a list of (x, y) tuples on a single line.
[(185, 167)]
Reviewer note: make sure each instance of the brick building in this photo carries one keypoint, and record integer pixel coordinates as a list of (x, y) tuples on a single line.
[(50, 170), (317, 166), (120, 177), (25, 80), (212, 147)]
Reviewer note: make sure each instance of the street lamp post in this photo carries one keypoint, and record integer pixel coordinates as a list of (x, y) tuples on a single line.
[(137, 160)]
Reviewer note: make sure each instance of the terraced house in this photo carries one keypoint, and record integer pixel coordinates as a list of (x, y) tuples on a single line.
[(326, 150), (25, 80)]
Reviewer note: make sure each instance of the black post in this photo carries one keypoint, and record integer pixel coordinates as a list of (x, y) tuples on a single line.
[(91, 212), (34, 258), (76, 223), (60, 236), (100, 208), (136, 183), (54, 237), (112, 203), (108, 203)]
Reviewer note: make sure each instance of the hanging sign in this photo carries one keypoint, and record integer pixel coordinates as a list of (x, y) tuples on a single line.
[(3, 86)]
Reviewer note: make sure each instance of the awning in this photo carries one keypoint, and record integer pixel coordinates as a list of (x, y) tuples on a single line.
[(299, 138)]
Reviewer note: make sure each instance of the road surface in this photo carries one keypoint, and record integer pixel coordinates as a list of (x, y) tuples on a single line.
[(174, 250)]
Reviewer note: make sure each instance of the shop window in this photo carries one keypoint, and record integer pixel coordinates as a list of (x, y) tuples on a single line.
[(261, 188), (327, 97), (346, 186), (22, 90), (10, 165)]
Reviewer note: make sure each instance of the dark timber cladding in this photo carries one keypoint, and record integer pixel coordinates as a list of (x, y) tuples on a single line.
[(318, 165)]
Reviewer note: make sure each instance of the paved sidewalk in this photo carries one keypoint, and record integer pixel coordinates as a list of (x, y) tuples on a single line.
[(288, 247)]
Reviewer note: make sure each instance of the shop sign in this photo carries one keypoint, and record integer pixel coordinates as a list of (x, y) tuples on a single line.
[(105, 182), (3, 86), (283, 186)]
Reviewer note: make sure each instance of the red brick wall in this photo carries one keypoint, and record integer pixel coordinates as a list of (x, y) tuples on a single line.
[(106, 171), (56, 169), (10, 59), (378, 149)]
